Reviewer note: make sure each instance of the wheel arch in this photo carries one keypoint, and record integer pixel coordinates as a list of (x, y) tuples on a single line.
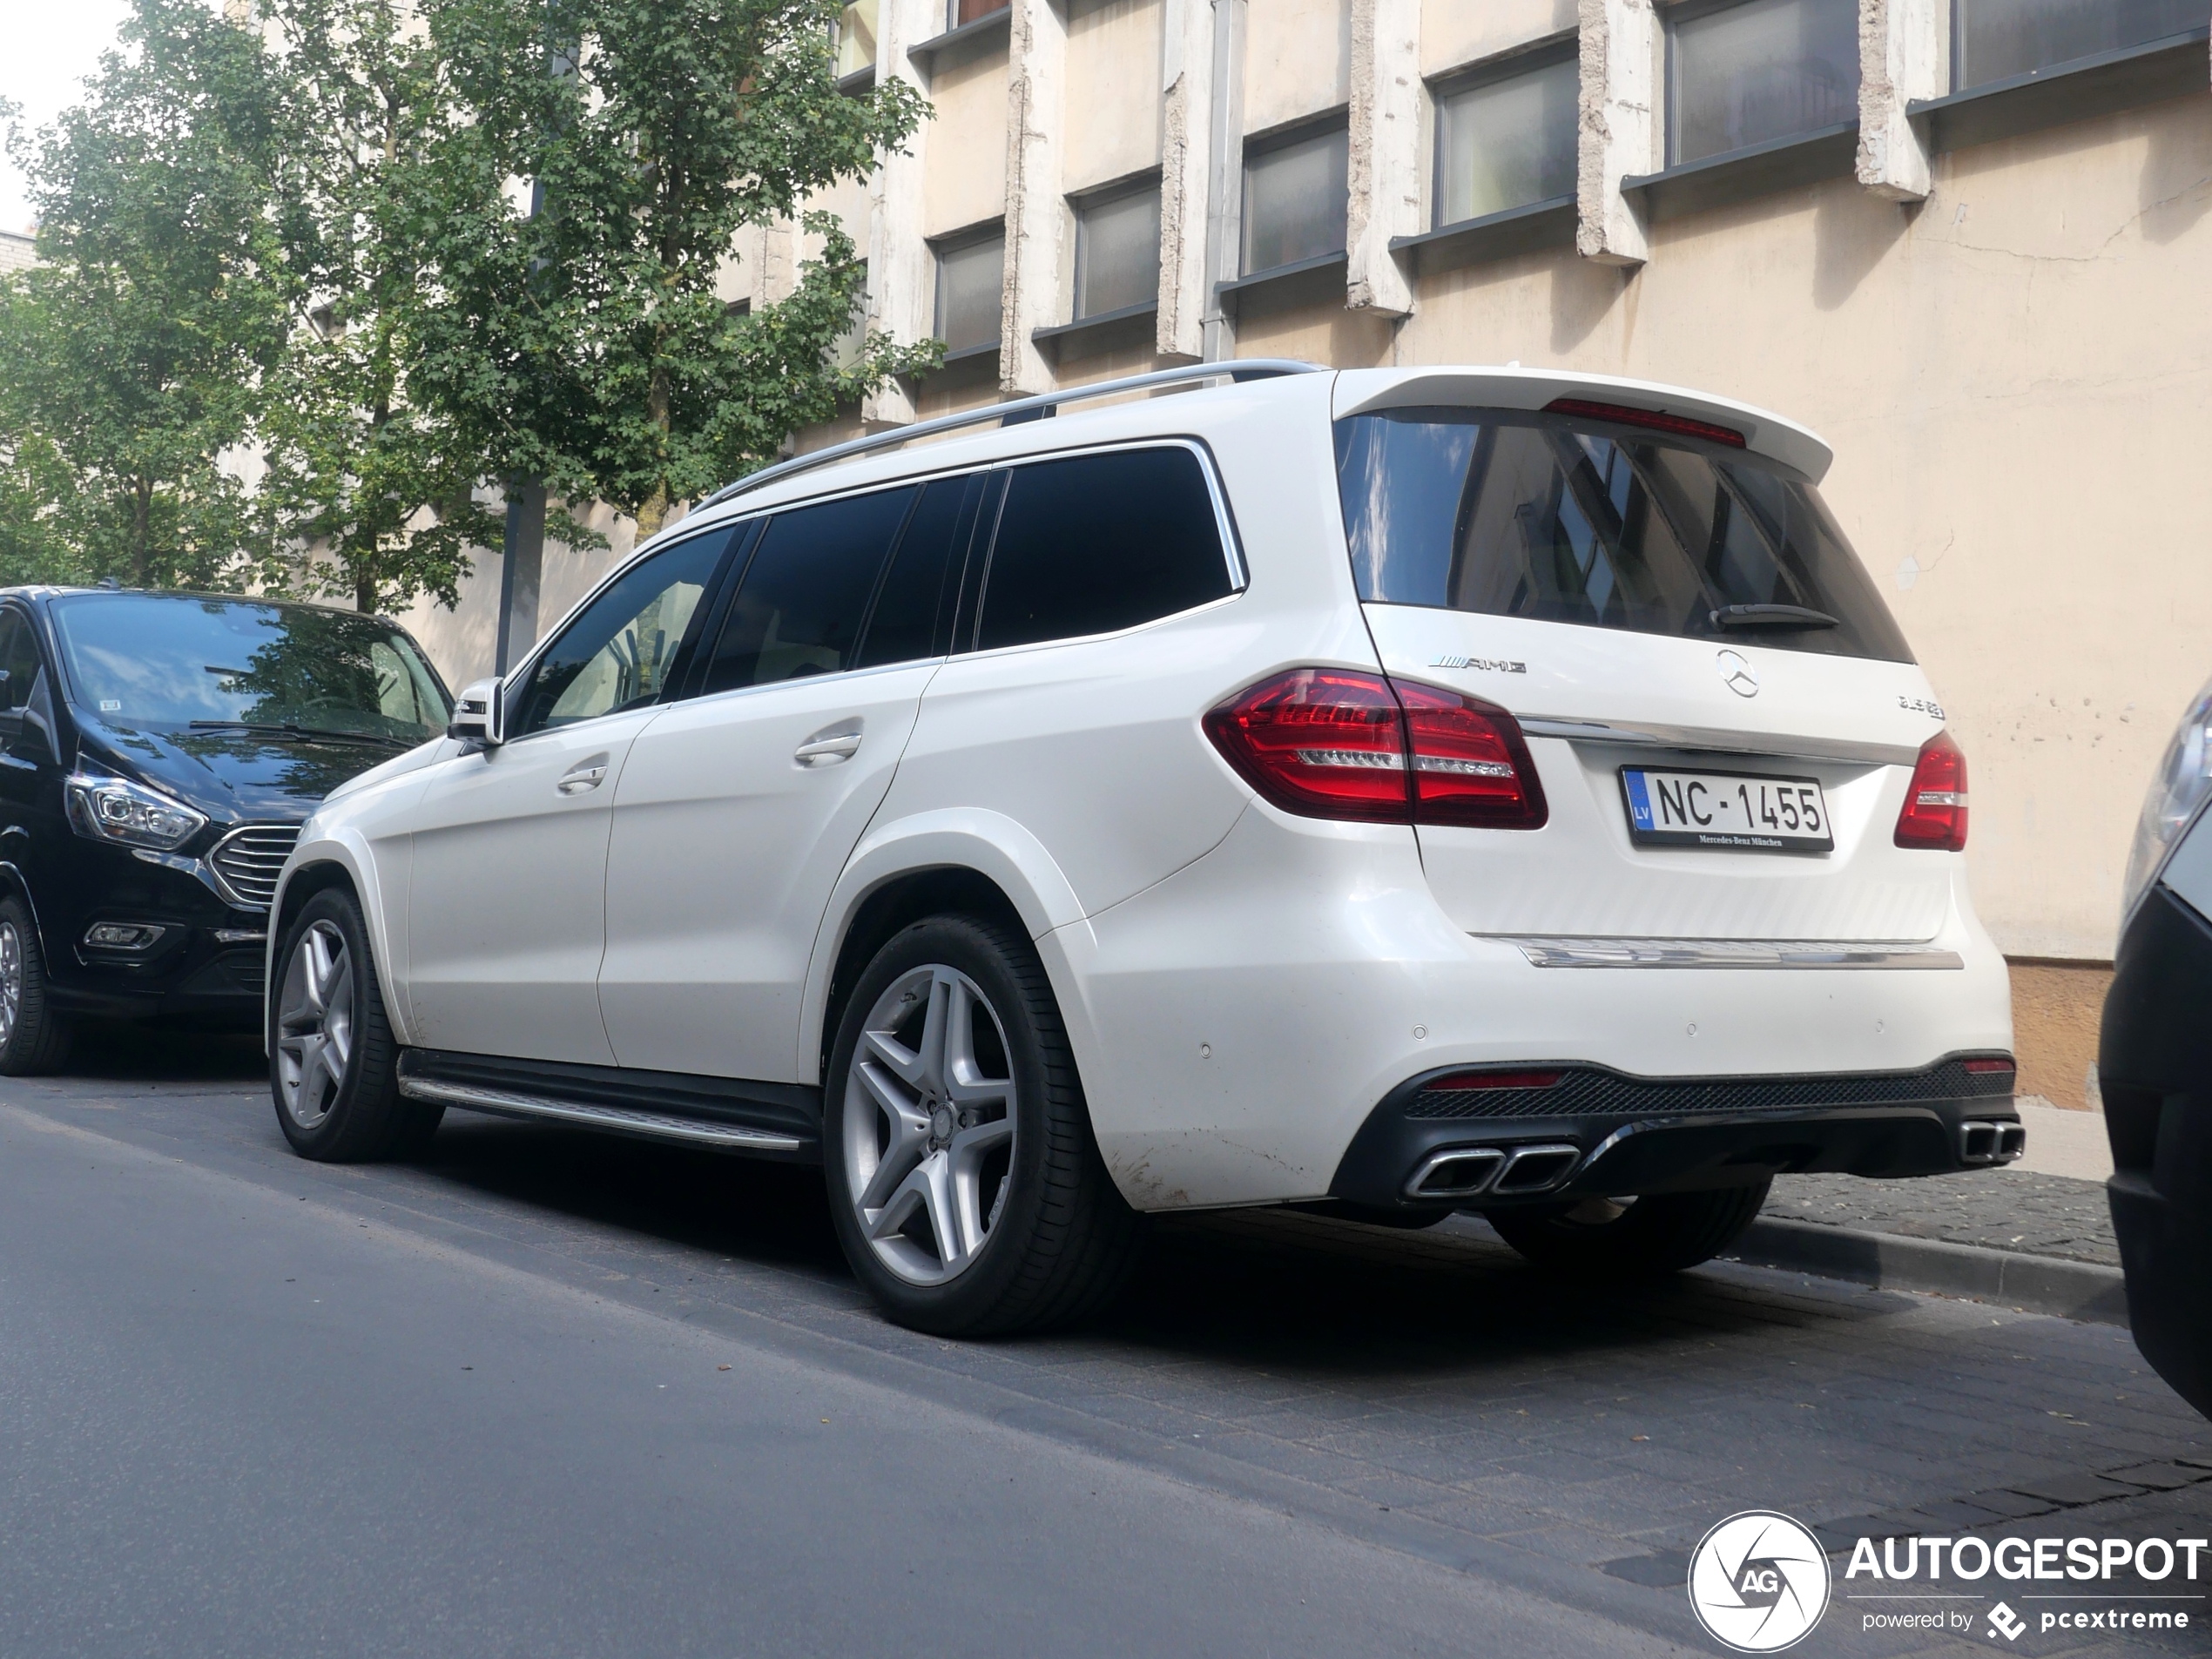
[(317, 866), (965, 862)]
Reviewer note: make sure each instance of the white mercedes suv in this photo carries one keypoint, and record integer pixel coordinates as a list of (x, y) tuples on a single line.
[(1399, 790)]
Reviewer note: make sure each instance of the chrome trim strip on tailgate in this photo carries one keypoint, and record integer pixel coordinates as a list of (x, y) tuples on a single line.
[(507, 1103), (1718, 742), (1562, 952)]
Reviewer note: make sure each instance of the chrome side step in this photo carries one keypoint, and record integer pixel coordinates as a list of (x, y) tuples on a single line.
[(505, 1103)]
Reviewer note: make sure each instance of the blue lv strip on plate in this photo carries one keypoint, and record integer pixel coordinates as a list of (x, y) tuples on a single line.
[(1639, 802)]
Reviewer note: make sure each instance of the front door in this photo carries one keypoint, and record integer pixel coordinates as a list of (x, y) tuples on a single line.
[(510, 846), (738, 808)]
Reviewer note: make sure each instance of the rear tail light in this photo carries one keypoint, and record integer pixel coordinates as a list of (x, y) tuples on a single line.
[(1333, 743), (1680, 425), (1981, 1068), (1935, 804)]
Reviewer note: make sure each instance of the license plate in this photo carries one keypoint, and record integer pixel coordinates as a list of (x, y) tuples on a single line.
[(1725, 812)]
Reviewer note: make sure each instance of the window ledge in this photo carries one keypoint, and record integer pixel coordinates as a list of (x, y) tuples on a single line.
[(998, 23), (1549, 223), (1278, 273), (860, 81), (969, 353), (1755, 169), (2170, 67), (1062, 335)]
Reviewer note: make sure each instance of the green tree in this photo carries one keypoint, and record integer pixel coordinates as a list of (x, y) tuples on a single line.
[(371, 490), (586, 338), (131, 358)]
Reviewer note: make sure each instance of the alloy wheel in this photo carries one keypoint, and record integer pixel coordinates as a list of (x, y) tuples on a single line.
[(10, 980), (929, 1124), (315, 1024)]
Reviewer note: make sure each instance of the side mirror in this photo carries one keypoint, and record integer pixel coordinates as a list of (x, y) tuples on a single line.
[(476, 715)]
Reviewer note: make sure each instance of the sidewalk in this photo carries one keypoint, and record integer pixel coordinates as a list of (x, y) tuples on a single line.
[(2036, 1235)]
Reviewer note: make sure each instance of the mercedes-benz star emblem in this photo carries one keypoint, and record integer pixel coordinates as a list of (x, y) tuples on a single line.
[(1759, 1583), (1736, 674)]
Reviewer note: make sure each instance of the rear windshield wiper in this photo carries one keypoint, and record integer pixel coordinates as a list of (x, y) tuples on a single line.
[(292, 730), (1773, 616)]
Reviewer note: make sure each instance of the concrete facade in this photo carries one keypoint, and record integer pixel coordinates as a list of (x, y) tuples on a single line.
[(1994, 315)]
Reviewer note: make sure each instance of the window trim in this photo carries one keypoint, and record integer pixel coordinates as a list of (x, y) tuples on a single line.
[(1564, 47), (2081, 88), (924, 52), (968, 623), (1259, 145)]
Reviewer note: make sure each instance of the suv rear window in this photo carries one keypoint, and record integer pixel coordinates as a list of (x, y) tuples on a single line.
[(1098, 542), (1565, 519)]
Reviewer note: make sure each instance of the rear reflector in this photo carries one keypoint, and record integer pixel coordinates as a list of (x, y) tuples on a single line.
[(1934, 815), (1989, 1065), (1460, 1081), (1621, 414), (1334, 743)]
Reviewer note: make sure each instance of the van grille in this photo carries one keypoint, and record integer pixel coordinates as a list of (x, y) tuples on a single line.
[(245, 862)]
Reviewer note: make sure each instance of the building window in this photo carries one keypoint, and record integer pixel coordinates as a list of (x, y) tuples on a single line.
[(970, 277), (1117, 252), (963, 11), (1295, 199), (1998, 39), (1506, 140), (1758, 70), (856, 38)]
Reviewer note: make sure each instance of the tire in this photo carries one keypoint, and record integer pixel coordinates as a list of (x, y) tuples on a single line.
[(34, 1037), (964, 1181), (1663, 1233), (333, 1063)]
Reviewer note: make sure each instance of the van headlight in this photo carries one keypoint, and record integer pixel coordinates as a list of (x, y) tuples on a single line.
[(127, 815), (2183, 779)]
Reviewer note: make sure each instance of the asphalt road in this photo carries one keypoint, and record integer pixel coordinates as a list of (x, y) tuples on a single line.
[(546, 1394)]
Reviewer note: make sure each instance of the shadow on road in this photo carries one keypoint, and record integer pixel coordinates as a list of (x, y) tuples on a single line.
[(1274, 1289)]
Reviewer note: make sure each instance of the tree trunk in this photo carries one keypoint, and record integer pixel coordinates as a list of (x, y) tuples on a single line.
[(141, 529), (364, 593), (655, 511)]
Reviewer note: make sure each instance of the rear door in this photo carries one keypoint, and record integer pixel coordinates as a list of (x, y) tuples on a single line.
[(1687, 639), (739, 807)]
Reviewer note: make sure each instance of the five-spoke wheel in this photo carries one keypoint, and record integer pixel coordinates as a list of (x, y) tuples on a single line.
[(333, 1062), (314, 1024), (33, 1036), (964, 1181), (929, 1123)]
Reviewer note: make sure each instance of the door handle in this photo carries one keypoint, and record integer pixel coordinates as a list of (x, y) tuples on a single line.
[(830, 745), (585, 776)]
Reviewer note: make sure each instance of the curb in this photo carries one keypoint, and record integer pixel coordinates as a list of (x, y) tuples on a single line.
[(2080, 1290)]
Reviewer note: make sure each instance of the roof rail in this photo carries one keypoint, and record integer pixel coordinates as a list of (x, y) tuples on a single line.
[(1024, 409)]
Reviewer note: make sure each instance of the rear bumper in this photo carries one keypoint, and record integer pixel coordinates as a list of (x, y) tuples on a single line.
[(1601, 1133), (1238, 1023), (2154, 1064)]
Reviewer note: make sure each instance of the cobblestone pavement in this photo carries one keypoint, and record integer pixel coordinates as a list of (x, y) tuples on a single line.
[(2037, 1215), (1425, 1390)]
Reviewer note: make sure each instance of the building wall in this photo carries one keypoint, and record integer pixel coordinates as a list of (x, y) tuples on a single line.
[(2002, 341)]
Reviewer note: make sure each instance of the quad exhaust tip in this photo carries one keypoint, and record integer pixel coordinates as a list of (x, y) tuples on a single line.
[(1997, 1140), (1499, 1171)]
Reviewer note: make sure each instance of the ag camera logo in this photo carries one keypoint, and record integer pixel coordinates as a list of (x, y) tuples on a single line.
[(1758, 1582)]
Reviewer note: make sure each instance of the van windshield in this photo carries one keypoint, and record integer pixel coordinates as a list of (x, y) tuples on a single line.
[(174, 659), (1566, 519)]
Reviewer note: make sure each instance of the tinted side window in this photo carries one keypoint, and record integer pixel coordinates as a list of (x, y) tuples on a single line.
[(1101, 542), (620, 654), (18, 661), (913, 613), (799, 605)]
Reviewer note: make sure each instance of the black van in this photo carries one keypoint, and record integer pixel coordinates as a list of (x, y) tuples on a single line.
[(159, 752)]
